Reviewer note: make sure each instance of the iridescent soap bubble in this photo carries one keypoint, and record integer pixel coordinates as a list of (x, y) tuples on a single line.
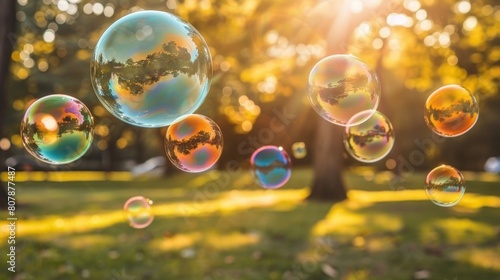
[(57, 129), (451, 111), (151, 67), (139, 212), (299, 150), (371, 140), (445, 186), (193, 143), (341, 86), (271, 166)]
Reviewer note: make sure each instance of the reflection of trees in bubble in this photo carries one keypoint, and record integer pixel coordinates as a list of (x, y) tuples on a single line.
[(451, 184), (461, 107), (363, 138), (28, 131), (335, 92), (135, 75), (185, 146)]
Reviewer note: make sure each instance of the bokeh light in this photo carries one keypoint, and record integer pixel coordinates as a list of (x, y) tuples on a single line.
[(139, 212), (445, 186), (271, 166), (57, 129), (151, 67), (371, 140), (193, 143), (341, 86), (451, 110), (299, 150)]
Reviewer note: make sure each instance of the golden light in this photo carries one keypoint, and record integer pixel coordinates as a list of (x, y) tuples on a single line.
[(463, 7), (426, 25), (356, 6), (429, 40), (390, 163), (377, 43), (444, 39), (4, 144), (43, 65), (412, 5), (470, 23), (452, 60), (421, 15), (396, 19), (385, 32), (121, 143)]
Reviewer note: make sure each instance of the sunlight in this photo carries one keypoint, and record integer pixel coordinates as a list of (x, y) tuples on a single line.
[(69, 176), (456, 231), (176, 242), (481, 257)]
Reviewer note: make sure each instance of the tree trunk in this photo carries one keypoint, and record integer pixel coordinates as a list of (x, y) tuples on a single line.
[(7, 27), (328, 164)]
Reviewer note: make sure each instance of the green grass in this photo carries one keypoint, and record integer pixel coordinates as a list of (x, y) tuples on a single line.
[(77, 230)]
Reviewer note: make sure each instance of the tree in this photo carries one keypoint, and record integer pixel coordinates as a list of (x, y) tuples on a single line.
[(7, 27)]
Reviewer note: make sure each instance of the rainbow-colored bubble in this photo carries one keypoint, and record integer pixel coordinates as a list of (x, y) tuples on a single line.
[(341, 86), (299, 150), (57, 129), (451, 111), (151, 67), (271, 166), (139, 212), (445, 186), (371, 140), (193, 143)]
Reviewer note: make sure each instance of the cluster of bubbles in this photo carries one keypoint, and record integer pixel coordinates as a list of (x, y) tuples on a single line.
[(153, 69), (450, 111), (346, 91), (149, 69)]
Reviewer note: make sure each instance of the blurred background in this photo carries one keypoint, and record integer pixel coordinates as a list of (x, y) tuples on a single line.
[(262, 54)]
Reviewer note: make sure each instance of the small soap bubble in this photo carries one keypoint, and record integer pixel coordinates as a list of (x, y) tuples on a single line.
[(451, 111), (139, 212), (371, 140), (445, 186), (151, 67), (57, 129), (299, 150), (341, 86), (193, 143), (271, 166)]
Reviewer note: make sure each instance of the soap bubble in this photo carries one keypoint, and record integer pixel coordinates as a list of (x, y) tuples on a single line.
[(451, 111), (341, 86), (445, 186), (299, 150), (371, 140), (139, 213), (193, 143), (271, 166), (151, 67), (57, 129)]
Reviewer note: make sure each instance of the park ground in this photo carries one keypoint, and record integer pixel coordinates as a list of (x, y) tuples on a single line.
[(236, 230)]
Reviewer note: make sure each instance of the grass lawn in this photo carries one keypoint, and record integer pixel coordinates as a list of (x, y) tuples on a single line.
[(236, 230)]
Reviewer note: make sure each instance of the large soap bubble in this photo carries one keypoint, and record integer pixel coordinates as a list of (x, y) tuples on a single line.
[(451, 110), (151, 67), (341, 86), (57, 129)]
